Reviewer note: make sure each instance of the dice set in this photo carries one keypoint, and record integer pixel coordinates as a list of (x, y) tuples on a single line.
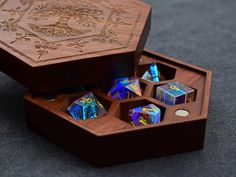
[(172, 93)]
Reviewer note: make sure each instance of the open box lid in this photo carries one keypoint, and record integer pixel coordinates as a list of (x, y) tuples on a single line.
[(48, 45)]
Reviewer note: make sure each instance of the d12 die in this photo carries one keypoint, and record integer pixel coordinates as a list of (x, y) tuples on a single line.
[(149, 114), (175, 93), (152, 74), (125, 88), (85, 107)]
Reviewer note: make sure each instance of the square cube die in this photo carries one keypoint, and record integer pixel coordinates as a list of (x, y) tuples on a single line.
[(175, 93)]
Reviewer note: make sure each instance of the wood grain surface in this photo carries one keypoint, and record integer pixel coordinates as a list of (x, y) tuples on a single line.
[(49, 45), (111, 139)]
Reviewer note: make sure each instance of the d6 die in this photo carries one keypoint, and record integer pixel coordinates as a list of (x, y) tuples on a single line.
[(175, 93)]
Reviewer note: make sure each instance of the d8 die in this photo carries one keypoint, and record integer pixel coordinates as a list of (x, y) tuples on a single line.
[(124, 88), (175, 93)]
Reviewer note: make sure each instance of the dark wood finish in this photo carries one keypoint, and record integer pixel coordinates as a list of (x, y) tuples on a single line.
[(50, 45), (110, 140)]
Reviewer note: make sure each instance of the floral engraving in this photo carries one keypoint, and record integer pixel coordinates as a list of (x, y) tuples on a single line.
[(84, 15), (44, 46)]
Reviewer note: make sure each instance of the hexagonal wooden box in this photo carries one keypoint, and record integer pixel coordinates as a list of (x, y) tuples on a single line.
[(55, 44), (111, 140)]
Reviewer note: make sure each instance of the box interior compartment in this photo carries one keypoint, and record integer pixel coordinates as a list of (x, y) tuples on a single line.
[(116, 119), (99, 141)]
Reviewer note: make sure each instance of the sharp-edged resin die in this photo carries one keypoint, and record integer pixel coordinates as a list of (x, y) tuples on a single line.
[(175, 93), (86, 107), (149, 114), (152, 74), (125, 88)]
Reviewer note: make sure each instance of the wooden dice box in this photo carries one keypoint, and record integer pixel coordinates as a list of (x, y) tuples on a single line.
[(50, 45), (111, 140), (53, 45)]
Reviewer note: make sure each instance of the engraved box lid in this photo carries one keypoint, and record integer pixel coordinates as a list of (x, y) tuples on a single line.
[(53, 44)]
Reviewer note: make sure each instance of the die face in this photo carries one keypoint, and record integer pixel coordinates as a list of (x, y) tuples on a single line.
[(121, 94), (141, 116), (147, 76), (86, 107), (75, 111), (168, 99), (181, 99), (117, 86), (174, 89), (174, 93), (87, 100), (186, 89), (82, 113), (124, 88), (134, 87), (160, 95), (152, 74)]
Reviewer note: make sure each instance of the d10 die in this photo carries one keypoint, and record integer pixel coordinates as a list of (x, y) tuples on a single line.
[(85, 107), (175, 93), (149, 114), (152, 74), (125, 88)]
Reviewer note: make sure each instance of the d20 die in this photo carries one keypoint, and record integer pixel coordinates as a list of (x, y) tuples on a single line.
[(125, 88), (152, 74), (149, 114), (175, 93), (85, 107)]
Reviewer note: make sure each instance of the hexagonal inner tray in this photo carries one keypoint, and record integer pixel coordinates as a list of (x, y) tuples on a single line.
[(116, 121)]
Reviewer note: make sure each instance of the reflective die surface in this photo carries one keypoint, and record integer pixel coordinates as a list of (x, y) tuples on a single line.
[(152, 74), (175, 93), (149, 114), (124, 88), (85, 107)]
